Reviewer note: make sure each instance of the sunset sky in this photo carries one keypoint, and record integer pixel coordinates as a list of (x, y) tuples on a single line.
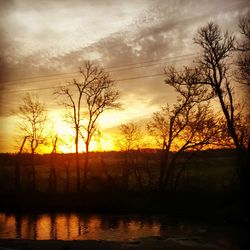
[(43, 43)]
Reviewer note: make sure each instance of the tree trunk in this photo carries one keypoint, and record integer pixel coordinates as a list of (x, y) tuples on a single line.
[(168, 181), (138, 178), (52, 178), (242, 154), (125, 172), (17, 167), (85, 170), (243, 161), (163, 168), (148, 173), (33, 171), (67, 177), (78, 179), (17, 174)]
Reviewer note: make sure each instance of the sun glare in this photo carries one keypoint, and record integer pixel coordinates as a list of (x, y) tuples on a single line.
[(66, 132)]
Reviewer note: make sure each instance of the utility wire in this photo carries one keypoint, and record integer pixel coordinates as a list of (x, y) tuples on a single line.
[(64, 78), (150, 61), (116, 68), (46, 88)]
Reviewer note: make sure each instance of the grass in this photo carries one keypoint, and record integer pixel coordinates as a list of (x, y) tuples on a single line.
[(208, 171), (208, 188)]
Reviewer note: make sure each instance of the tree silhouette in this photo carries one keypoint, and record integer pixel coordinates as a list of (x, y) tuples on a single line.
[(52, 173), (216, 48), (131, 137), (188, 125), (100, 95), (32, 118), (18, 165), (129, 141), (73, 94), (243, 48), (95, 94)]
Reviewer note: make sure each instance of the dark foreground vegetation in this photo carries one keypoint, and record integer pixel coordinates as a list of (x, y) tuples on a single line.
[(181, 243), (220, 207), (208, 189)]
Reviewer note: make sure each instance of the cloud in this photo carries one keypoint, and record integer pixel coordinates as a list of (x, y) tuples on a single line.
[(49, 37), (47, 32), (56, 41)]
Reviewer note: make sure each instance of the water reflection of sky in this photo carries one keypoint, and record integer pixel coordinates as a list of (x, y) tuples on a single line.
[(76, 227)]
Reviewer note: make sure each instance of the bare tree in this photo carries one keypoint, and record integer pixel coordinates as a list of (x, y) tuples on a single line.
[(131, 137), (73, 94), (32, 118), (130, 141), (67, 162), (18, 165), (87, 100), (216, 48), (189, 124), (52, 174), (100, 95), (67, 166), (243, 47)]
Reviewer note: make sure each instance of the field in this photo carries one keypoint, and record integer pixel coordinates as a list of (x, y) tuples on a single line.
[(209, 171)]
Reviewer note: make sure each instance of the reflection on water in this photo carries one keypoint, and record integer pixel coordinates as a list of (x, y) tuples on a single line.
[(74, 226), (84, 227)]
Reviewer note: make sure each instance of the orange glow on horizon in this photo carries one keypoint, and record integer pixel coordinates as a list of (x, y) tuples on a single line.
[(66, 133), (108, 141)]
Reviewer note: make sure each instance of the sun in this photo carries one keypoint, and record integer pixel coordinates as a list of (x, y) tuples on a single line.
[(66, 135)]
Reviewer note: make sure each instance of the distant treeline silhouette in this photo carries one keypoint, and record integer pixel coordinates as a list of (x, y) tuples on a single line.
[(213, 169)]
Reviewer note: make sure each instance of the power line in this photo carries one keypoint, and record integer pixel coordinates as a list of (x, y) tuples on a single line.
[(118, 68), (156, 60), (118, 80), (148, 65), (64, 78)]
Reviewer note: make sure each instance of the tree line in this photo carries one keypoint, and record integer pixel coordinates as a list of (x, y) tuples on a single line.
[(190, 124)]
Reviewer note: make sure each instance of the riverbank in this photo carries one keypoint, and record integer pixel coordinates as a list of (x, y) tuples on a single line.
[(211, 206), (154, 243)]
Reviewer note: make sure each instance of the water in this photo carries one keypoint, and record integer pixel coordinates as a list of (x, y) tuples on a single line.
[(75, 226)]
